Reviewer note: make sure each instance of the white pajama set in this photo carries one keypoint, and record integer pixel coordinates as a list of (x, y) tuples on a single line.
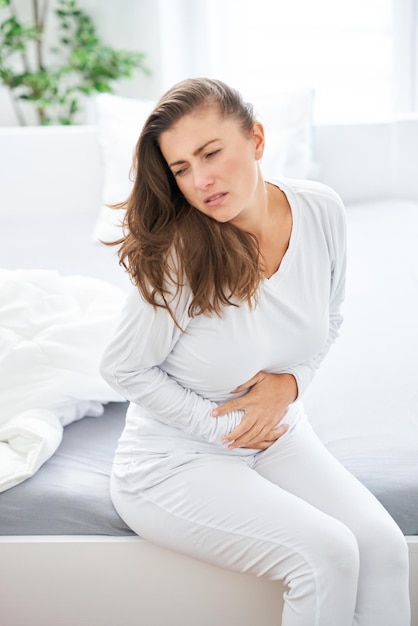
[(291, 512)]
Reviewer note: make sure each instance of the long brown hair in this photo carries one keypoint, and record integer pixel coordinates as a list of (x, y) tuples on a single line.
[(166, 241)]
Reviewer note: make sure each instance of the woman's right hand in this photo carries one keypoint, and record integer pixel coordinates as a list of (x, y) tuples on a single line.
[(264, 405)]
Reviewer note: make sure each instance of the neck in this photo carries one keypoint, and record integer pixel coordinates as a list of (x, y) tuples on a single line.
[(257, 219)]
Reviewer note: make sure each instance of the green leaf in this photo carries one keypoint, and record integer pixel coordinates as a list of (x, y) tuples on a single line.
[(73, 106), (83, 64)]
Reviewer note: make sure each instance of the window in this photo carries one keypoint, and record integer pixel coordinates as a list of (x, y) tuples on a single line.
[(358, 55)]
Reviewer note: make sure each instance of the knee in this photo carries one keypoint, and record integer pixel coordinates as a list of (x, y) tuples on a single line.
[(331, 568), (338, 553), (385, 543), (331, 554)]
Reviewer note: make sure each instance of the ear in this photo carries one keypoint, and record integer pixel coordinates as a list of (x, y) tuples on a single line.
[(258, 138)]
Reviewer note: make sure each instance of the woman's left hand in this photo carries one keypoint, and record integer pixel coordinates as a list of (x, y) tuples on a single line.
[(265, 404)]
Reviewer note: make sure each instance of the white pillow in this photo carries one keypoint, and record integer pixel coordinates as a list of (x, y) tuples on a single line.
[(287, 120), (287, 117), (120, 121)]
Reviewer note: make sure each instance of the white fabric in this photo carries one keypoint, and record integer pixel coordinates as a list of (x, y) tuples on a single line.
[(52, 333), (291, 513), (175, 379)]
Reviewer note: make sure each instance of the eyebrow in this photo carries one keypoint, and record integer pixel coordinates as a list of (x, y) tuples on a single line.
[(195, 153)]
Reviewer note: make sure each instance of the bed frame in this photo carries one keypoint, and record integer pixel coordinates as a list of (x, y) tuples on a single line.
[(126, 581), (112, 581)]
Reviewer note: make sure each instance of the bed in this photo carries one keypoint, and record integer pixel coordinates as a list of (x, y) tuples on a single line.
[(66, 558)]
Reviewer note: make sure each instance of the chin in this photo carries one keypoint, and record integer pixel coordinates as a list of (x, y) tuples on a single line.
[(222, 220)]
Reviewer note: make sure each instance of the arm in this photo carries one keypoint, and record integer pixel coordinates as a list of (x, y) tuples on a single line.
[(143, 340), (336, 235)]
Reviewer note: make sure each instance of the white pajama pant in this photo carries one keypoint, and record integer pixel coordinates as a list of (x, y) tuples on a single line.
[(291, 513)]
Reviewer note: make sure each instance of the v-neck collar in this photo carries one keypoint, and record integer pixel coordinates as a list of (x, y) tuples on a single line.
[(287, 257)]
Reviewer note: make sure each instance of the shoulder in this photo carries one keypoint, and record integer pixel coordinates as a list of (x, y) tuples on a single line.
[(315, 199), (313, 191), (319, 214)]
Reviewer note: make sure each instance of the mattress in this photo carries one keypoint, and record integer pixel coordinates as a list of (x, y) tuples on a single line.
[(69, 495), (391, 474)]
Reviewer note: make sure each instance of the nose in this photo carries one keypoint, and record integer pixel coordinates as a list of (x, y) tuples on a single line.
[(203, 179)]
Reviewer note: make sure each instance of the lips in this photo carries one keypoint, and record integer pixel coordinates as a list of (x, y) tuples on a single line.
[(214, 199)]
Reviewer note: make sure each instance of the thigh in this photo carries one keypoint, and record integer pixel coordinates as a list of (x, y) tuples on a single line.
[(218, 509), (301, 464)]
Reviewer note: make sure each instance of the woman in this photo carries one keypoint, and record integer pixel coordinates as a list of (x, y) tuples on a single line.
[(238, 288)]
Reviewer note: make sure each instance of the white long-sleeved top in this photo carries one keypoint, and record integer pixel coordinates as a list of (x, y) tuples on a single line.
[(174, 379)]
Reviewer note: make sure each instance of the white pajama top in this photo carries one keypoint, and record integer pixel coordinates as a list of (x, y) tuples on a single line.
[(174, 378)]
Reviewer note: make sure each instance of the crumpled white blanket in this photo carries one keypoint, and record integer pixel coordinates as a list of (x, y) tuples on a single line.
[(53, 331)]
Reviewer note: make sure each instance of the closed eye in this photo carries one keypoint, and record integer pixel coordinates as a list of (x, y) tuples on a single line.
[(184, 170), (180, 172), (213, 153)]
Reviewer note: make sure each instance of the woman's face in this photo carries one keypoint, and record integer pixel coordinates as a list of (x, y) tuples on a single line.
[(215, 163)]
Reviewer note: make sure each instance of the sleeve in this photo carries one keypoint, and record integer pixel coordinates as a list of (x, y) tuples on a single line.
[(334, 226), (131, 365)]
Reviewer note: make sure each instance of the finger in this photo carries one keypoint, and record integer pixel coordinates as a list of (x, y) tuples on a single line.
[(252, 427), (257, 433), (232, 405), (245, 426), (262, 445), (262, 440), (265, 443)]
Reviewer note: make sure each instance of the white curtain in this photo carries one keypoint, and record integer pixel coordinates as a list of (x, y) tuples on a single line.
[(358, 55)]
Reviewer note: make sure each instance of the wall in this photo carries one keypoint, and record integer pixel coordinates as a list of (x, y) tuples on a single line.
[(131, 25), (361, 161), (369, 161), (125, 24)]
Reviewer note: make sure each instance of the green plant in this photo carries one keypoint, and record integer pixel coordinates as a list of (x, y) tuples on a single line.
[(80, 63)]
